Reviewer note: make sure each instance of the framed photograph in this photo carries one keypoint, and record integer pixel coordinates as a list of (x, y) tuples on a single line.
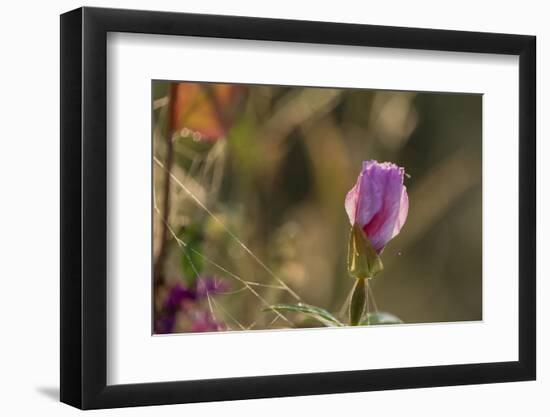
[(257, 208)]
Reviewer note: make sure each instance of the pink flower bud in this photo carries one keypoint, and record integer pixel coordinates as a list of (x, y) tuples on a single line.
[(378, 203)]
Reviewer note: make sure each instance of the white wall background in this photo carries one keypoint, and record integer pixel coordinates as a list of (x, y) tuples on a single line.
[(29, 209)]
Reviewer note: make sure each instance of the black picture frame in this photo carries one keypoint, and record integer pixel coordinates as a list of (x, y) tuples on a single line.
[(84, 207)]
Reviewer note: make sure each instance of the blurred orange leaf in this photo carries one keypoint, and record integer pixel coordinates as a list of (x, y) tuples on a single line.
[(206, 110)]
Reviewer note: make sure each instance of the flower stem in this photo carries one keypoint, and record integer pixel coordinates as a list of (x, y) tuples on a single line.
[(163, 251), (358, 302)]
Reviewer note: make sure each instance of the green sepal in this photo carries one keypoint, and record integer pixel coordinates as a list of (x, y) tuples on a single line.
[(363, 261)]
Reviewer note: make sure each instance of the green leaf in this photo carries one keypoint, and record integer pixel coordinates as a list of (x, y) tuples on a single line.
[(317, 313), (192, 263), (379, 318), (245, 149), (363, 261)]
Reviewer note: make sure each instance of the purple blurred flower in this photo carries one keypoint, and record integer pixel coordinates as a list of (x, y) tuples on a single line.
[(165, 324), (205, 322), (378, 202), (187, 303), (176, 296), (209, 285)]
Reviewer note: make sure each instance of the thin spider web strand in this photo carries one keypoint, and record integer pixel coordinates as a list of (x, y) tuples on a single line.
[(367, 304), (254, 284), (259, 284), (272, 322), (229, 232), (345, 306), (228, 314), (268, 324), (210, 160), (371, 293), (232, 292), (251, 325), (210, 305), (217, 175)]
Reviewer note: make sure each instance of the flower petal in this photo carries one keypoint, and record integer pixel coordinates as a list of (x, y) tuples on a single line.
[(365, 199), (378, 202), (403, 212)]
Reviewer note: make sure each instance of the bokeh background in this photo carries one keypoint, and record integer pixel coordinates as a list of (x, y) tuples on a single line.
[(249, 186)]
